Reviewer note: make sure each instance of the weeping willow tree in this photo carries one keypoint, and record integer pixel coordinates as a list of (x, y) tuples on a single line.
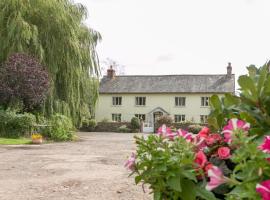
[(53, 31)]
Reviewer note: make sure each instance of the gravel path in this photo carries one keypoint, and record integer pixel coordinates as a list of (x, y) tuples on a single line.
[(89, 169)]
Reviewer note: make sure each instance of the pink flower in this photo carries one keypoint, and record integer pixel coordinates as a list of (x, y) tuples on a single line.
[(264, 189), (204, 132), (224, 153), (212, 139), (233, 125), (200, 159), (164, 130), (185, 134), (216, 178), (265, 147), (199, 142), (130, 163), (208, 166)]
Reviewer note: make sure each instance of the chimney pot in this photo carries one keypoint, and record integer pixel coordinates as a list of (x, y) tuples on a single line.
[(111, 73), (229, 69)]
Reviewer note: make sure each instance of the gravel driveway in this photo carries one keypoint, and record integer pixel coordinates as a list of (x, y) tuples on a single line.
[(89, 169)]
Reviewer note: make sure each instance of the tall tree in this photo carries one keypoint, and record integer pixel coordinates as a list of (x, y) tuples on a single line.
[(53, 31)]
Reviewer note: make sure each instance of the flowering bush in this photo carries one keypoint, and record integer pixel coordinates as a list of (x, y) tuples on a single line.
[(36, 136), (231, 164)]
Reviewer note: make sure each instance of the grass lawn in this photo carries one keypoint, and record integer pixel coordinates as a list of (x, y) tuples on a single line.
[(15, 141)]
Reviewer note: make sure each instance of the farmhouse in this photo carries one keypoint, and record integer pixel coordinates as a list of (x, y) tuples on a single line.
[(183, 97)]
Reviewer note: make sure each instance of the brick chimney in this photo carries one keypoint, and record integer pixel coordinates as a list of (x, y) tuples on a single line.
[(110, 72), (229, 69)]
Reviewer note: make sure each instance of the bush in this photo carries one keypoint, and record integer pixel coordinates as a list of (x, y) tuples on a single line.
[(60, 128), (135, 123), (92, 124), (16, 125), (88, 124), (124, 129), (165, 119), (23, 80), (194, 128)]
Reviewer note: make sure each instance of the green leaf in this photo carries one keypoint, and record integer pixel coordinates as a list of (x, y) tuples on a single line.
[(252, 71), (157, 195), (175, 183), (267, 85), (138, 179), (189, 174), (189, 190), (248, 87), (203, 193), (231, 100), (262, 79), (215, 102)]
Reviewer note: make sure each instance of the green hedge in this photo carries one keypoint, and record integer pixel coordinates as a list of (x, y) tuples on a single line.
[(13, 125)]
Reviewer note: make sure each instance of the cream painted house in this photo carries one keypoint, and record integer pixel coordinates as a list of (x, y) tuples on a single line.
[(183, 97)]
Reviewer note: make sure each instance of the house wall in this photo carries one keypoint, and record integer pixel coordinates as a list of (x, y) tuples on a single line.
[(192, 110)]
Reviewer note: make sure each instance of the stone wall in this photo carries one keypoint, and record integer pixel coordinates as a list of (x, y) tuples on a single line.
[(110, 126)]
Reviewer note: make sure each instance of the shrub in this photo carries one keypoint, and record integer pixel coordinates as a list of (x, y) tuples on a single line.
[(165, 119), (124, 129), (92, 124), (194, 128), (16, 125), (135, 123), (60, 128), (23, 79), (168, 167), (85, 123), (89, 124)]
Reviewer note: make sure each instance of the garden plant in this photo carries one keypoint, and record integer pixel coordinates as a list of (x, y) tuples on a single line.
[(229, 160)]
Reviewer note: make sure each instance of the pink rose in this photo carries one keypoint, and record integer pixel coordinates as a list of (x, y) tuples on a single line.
[(130, 163), (200, 159), (265, 147), (216, 178), (204, 132), (224, 153), (233, 125), (264, 189)]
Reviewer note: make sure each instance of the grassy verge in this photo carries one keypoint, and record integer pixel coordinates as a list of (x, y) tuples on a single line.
[(9, 141)]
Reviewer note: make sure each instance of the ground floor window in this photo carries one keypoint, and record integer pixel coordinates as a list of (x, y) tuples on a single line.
[(116, 117), (203, 119), (179, 118), (140, 116)]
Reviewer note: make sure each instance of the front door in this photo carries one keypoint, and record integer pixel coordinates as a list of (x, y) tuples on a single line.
[(156, 115)]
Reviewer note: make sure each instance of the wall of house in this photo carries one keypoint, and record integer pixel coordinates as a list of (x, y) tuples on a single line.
[(192, 110)]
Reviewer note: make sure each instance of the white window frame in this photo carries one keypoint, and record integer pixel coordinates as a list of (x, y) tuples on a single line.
[(116, 117), (141, 116), (117, 100), (203, 119), (179, 118), (205, 101), (180, 101), (140, 101)]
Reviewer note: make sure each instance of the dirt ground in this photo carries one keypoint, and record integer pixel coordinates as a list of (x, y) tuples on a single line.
[(88, 169)]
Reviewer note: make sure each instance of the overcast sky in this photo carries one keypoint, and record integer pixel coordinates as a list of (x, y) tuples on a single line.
[(182, 36)]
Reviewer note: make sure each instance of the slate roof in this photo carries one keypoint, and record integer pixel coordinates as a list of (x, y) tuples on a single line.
[(221, 83)]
